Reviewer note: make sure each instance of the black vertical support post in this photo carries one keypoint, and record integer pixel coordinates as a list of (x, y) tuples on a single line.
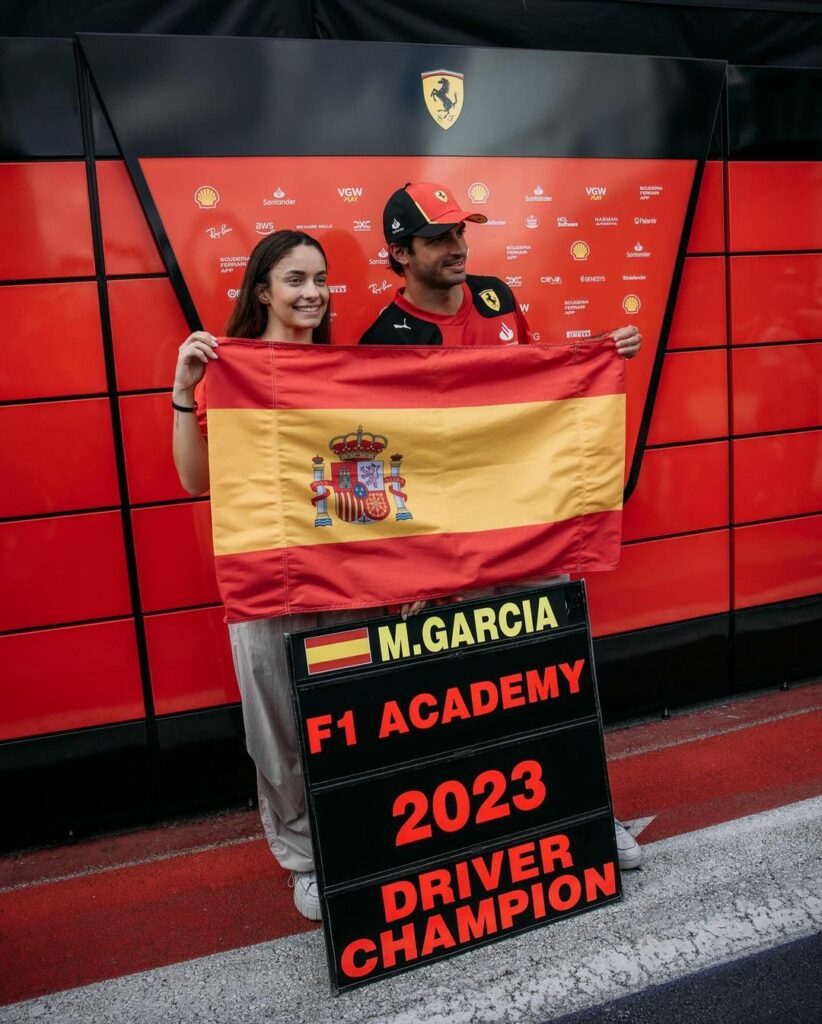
[(83, 84)]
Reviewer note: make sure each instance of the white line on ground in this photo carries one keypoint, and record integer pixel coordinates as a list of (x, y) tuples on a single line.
[(707, 734), (151, 859), (702, 898)]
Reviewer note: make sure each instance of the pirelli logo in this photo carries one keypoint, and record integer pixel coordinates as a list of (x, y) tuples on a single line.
[(336, 651)]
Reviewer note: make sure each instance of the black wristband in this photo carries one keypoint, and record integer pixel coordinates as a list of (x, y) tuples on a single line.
[(183, 408)]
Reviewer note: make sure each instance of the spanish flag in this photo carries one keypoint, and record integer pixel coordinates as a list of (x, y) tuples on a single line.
[(351, 477)]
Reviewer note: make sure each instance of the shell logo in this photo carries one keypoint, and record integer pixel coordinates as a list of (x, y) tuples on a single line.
[(580, 250), (478, 192), (631, 304), (206, 197)]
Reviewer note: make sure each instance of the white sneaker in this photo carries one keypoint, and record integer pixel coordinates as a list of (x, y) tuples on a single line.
[(306, 894), (628, 849)]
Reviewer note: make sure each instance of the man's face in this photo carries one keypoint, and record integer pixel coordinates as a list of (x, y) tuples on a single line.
[(435, 262)]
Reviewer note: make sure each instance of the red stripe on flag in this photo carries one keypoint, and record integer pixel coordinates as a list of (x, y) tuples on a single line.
[(331, 377), (333, 666), (379, 572), (336, 638)]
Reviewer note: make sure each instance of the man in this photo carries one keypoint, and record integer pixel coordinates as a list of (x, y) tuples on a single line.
[(441, 304)]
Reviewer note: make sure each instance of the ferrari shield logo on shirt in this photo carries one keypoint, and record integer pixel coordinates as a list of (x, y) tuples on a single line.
[(358, 482), (443, 92), (490, 298)]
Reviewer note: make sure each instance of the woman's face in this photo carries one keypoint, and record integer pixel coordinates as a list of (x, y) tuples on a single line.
[(297, 291)]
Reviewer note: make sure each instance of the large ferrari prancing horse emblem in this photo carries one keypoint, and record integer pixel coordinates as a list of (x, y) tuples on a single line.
[(443, 92), (358, 481)]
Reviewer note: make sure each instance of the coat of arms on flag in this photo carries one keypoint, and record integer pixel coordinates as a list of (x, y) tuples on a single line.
[(358, 481)]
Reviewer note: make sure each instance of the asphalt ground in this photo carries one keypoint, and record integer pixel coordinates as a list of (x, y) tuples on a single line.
[(195, 923), (778, 986)]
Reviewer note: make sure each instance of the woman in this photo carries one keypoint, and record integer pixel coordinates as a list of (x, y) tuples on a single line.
[(284, 298)]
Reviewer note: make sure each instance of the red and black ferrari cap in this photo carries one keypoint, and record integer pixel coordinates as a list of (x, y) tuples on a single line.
[(423, 208)]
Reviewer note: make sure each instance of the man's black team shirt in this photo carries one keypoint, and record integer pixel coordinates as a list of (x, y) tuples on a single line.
[(489, 315)]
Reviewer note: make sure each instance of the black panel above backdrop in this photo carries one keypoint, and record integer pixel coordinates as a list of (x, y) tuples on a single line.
[(40, 108), (525, 104), (775, 113)]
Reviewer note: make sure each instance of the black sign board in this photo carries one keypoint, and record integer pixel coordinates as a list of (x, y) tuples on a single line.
[(456, 777)]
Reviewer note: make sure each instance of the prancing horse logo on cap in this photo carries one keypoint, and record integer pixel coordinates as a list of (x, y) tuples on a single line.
[(443, 92)]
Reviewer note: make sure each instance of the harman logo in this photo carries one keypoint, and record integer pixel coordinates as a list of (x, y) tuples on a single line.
[(606, 222), (514, 282), (264, 227), (279, 198), (443, 93), (639, 252), (478, 192), (580, 250), (596, 192), (531, 222), (206, 197), (362, 225), (349, 195), (631, 304)]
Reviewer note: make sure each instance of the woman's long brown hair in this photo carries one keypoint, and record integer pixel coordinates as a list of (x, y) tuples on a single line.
[(249, 318)]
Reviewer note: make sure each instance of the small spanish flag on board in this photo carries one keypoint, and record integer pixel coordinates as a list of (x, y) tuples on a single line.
[(334, 651), (354, 477)]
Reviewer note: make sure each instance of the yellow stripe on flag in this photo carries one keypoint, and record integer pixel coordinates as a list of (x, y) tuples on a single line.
[(335, 652), (466, 469)]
